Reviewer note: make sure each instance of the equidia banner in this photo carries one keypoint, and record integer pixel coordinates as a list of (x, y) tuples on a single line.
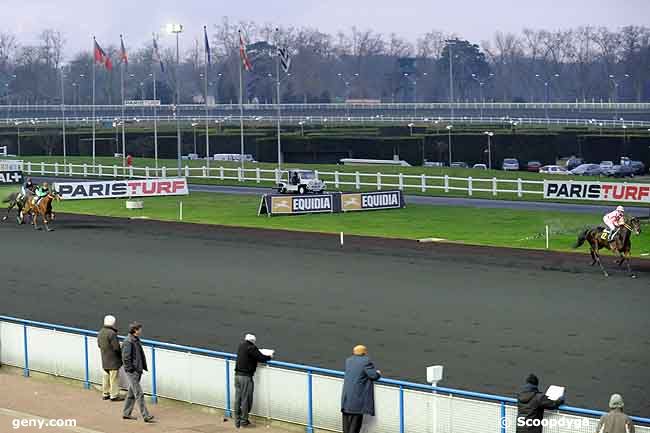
[(602, 191), (283, 204), (122, 188), (11, 177)]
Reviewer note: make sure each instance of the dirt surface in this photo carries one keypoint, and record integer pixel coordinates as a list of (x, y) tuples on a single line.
[(489, 315)]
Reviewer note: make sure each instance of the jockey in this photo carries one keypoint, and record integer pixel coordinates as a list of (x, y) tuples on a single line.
[(28, 186), (614, 220), (41, 192)]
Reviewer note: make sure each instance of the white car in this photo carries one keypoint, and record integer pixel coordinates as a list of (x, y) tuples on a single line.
[(510, 164), (606, 165), (480, 166), (300, 181), (553, 169)]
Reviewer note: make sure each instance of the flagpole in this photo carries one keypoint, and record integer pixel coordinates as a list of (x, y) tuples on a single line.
[(94, 119), (155, 123), (207, 130), (277, 66), (123, 120), (241, 108)]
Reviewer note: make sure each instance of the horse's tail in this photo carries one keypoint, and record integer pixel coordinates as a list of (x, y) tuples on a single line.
[(581, 238), (10, 198)]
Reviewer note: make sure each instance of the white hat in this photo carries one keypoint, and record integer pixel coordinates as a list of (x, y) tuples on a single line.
[(251, 338), (620, 209), (109, 320)]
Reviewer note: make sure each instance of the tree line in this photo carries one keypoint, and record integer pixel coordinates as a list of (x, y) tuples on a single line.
[(580, 64)]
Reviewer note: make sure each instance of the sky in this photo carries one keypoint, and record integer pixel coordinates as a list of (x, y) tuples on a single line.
[(475, 20)]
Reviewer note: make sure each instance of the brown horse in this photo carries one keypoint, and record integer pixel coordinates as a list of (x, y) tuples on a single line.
[(597, 237), (42, 208)]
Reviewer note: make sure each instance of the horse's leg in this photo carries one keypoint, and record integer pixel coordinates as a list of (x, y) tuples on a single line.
[(595, 250), (626, 259), (593, 256), (45, 222)]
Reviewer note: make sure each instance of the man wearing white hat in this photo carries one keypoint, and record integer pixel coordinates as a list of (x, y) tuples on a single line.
[(109, 347), (248, 355), (615, 421)]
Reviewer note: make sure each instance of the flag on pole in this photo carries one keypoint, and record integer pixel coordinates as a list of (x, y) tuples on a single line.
[(285, 59), (156, 55), (124, 58), (242, 53), (102, 58), (207, 45)]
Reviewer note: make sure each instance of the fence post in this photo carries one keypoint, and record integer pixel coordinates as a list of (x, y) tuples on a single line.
[(42, 168), (56, 168), (26, 368), (494, 186), (228, 413), (29, 167), (379, 181), (239, 174), (146, 172), (187, 171), (310, 403), (401, 182), (357, 180), (131, 171), (446, 183), (204, 171), (70, 169), (221, 173), (504, 420), (154, 383), (164, 171), (87, 370), (424, 182), (114, 171), (257, 175), (519, 192), (99, 172), (469, 186), (336, 179), (85, 170), (401, 409)]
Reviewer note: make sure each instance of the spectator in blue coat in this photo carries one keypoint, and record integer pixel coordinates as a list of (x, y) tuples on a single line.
[(358, 396)]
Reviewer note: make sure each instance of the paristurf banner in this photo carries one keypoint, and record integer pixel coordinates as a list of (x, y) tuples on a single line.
[(122, 188)]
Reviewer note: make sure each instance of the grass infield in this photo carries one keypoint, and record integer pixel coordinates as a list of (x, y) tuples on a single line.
[(476, 226)]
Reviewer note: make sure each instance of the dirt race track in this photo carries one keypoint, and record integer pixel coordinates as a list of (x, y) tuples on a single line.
[(490, 316)]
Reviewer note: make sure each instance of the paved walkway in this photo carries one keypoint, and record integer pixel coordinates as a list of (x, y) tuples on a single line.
[(40, 399)]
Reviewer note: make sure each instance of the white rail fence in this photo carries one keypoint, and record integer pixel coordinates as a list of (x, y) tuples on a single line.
[(298, 394), (270, 177)]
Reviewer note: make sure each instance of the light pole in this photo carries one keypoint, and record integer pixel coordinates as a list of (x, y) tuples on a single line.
[(302, 128), (546, 82), (449, 127), (415, 92), (63, 118), (450, 44), (481, 83), (489, 149), (17, 137), (177, 29), (411, 125), (194, 124), (347, 83)]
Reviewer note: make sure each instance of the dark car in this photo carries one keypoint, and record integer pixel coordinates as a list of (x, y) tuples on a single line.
[(638, 167), (533, 166), (574, 162), (459, 164), (587, 170), (620, 171)]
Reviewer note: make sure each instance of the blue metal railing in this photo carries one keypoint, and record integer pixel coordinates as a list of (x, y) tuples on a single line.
[(401, 385)]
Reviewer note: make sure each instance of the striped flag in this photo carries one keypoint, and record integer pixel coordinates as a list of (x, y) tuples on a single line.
[(207, 45), (101, 57), (156, 55), (243, 55), (124, 58), (285, 59)]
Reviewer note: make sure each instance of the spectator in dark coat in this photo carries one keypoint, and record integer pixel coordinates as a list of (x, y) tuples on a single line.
[(134, 364), (358, 396), (248, 355), (531, 405), (615, 421), (109, 347)]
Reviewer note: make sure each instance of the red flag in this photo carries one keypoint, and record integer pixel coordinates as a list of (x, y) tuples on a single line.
[(102, 58), (123, 56), (243, 55)]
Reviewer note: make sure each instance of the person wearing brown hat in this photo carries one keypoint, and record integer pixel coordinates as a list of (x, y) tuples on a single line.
[(358, 397), (615, 421)]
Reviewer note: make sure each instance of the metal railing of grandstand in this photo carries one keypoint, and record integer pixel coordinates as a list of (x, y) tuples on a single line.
[(309, 395)]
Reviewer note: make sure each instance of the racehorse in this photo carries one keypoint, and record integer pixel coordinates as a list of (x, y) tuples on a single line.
[(17, 200), (43, 209), (597, 237)]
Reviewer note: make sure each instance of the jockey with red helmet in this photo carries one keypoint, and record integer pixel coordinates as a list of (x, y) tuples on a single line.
[(614, 220)]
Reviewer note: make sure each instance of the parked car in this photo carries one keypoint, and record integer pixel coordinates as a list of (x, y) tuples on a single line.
[(574, 162), (606, 165), (434, 164), (510, 164), (638, 167), (533, 166), (480, 166), (553, 169), (620, 171), (587, 170), (459, 164)]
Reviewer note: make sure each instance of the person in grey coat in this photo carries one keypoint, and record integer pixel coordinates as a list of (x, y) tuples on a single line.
[(615, 421), (358, 396), (109, 347), (134, 364)]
